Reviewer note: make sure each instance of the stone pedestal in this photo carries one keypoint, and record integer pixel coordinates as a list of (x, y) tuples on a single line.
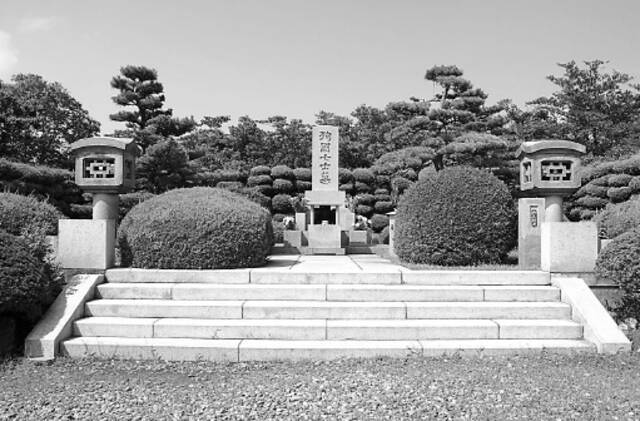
[(392, 231), (86, 243), (531, 215), (292, 238), (346, 218), (359, 238), (324, 236), (569, 246), (301, 221)]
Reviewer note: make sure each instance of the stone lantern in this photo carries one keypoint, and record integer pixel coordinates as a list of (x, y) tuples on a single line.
[(550, 169), (105, 167)]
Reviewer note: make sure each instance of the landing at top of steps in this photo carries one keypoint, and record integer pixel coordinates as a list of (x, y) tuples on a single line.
[(352, 269)]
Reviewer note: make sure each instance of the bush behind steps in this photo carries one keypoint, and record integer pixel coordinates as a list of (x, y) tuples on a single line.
[(196, 228), (459, 216), (18, 212)]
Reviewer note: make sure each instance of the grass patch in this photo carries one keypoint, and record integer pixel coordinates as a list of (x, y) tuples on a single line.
[(542, 386)]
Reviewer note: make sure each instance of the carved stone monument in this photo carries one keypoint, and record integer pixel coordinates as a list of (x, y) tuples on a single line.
[(325, 201)]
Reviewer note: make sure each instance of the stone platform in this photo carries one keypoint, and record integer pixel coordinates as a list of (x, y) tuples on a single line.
[(321, 307)]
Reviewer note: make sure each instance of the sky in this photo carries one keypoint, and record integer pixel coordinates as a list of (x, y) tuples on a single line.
[(296, 57)]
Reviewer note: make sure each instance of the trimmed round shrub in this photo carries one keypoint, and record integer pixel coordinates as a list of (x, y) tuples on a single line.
[(364, 210), (364, 175), (281, 203), (400, 184), (460, 216), (264, 189), (129, 200), (383, 198), (302, 174), (619, 180), (230, 185), (344, 176), (347, 187), (279, 217), (303, 186), (281, 185), (259, 180), (595, 190), (361, 187), (619, 218), (592, 202), (619, 263), (634, 184), (229, 175), (260, 170), (384, 235), (581, 214), (384, 181), (27, 282), (379, 222), (282, 171), (619, 194), (381, 192), (19, 212), (196, 228), (365, 199), (253, 194), (383, 207)]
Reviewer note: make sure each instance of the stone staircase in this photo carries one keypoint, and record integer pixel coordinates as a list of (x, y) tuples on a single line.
[(322, 312)]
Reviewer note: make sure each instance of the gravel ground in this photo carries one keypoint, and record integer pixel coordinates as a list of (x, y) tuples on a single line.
[(536, 387)]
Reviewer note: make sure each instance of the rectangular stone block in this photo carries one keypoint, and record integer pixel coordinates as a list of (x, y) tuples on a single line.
[(359, 237), (86, 243), (569, 246), (346, 219), (531, 212), (292, 238), (324, 236)]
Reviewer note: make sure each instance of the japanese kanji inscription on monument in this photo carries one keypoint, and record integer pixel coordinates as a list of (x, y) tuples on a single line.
[(324, 152)]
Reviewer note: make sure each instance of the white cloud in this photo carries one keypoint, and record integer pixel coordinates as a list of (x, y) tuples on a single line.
[(8, 55), (35, 24)]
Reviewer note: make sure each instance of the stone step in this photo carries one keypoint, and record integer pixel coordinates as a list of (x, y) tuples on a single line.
[(165, 308), (303, 309), (349, 292), (316, 329), (489, 310), (269, 350), (475, 277)]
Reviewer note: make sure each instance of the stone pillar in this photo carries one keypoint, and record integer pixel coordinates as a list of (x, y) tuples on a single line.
[(392, 231), (105, 206), (553, 209)]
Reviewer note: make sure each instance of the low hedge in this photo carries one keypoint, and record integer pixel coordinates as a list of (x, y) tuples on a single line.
[(259, 180), (196, 228), (361, 187), (619, 194), (345, 176), (282, 171), (282, 185), (619, 263), (364, 175), (364, 210), (365, 199), (459, 216), (379, 222), (19, 212), (303, 186), (260, 170), (383, 207)]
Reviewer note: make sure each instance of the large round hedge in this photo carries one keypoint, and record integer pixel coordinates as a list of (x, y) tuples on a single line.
[(27, 281), (18, 212), (619, 218), (196, 228), (459, 216), (619, 263)]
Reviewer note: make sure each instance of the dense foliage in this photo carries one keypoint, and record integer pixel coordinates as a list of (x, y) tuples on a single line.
[(39, 119), (619, 218), (197, 228), (619, 263), (28, 282), (459, 216), (18, 213)]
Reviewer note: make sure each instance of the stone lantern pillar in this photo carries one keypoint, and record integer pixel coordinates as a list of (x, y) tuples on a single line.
[(104, 167), (392, 231), (549, 172)]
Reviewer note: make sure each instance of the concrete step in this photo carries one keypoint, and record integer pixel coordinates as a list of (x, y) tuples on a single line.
[(218, 276), (323, 310), (539, 329), (318, 329), (190, 291), (269, 350), (165, 308), (488, 310), (333, 292), (475, 277)]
